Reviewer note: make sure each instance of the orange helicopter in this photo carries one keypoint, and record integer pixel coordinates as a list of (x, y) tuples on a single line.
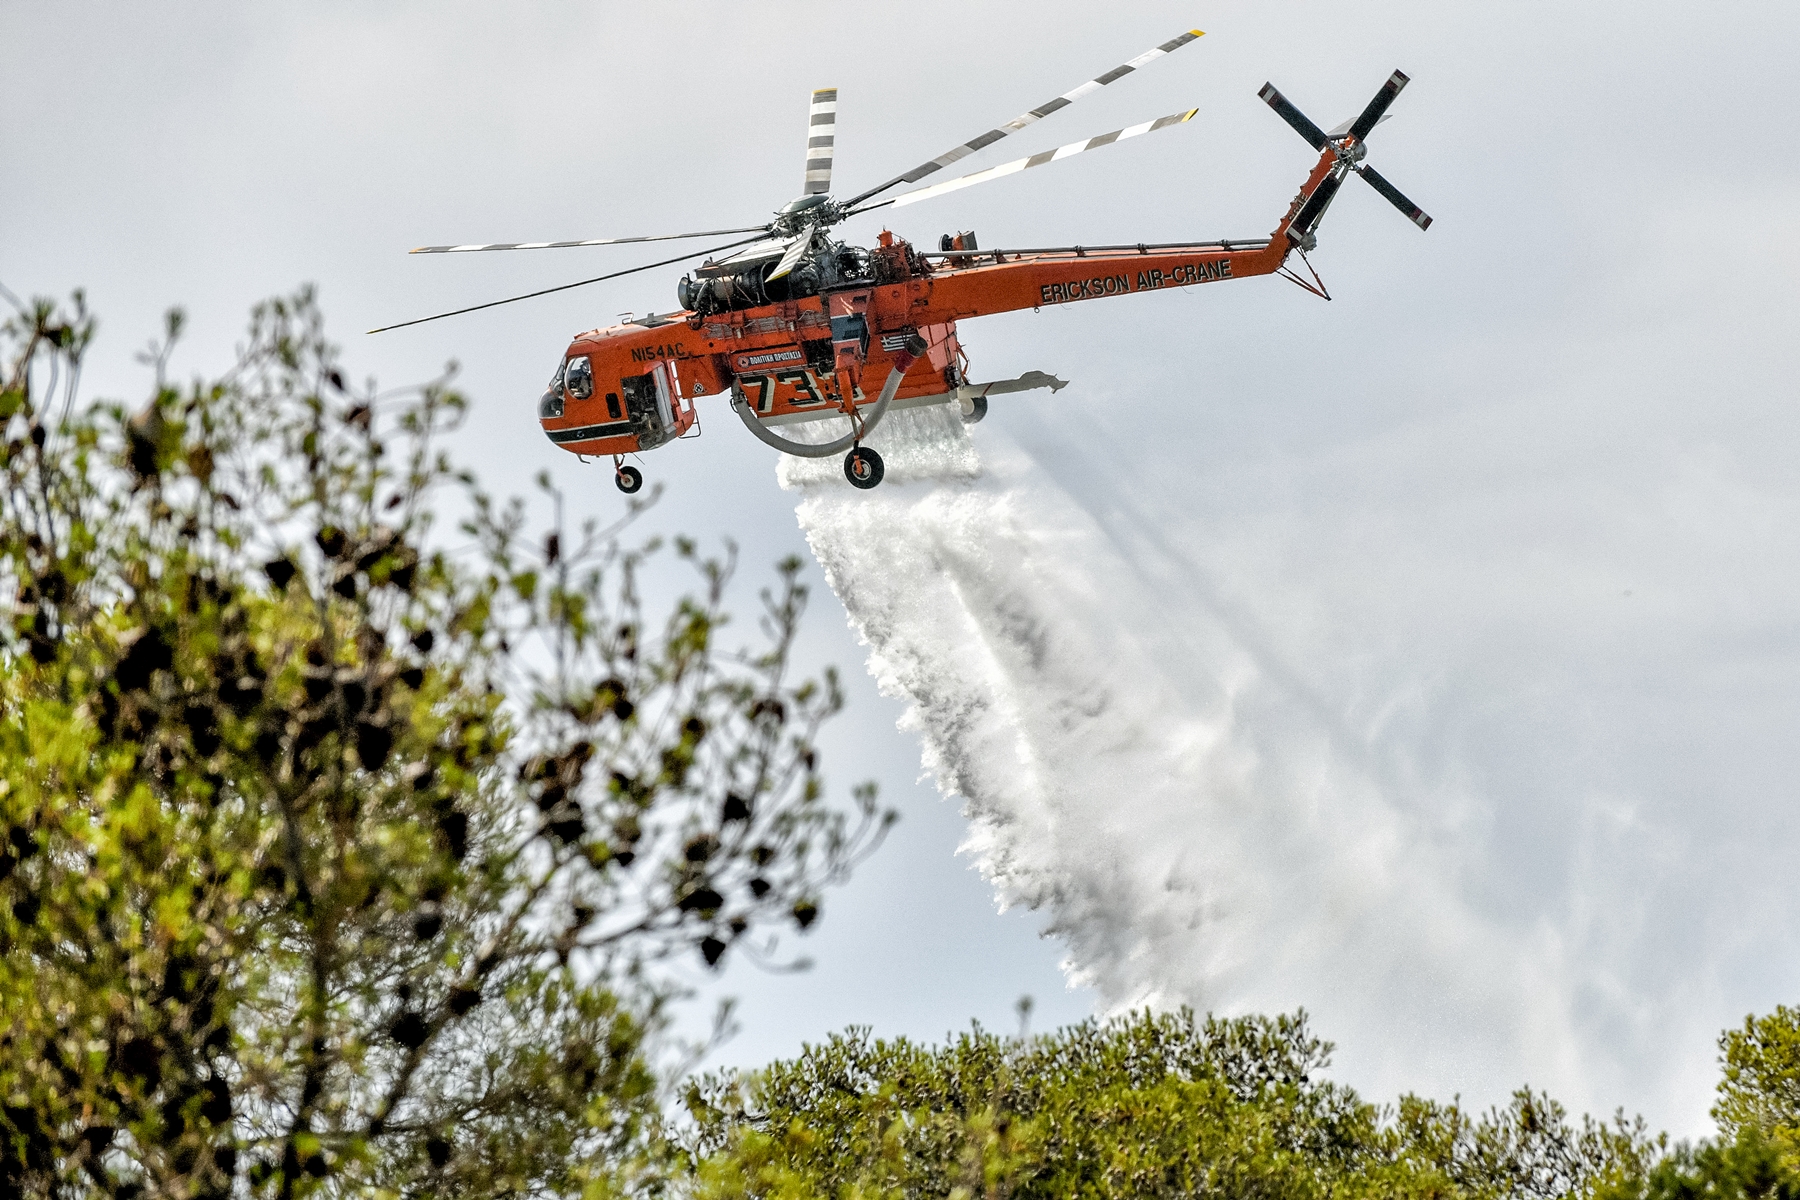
[(796, 326)]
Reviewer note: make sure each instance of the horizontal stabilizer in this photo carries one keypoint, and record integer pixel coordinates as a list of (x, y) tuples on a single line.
[(1029, 381)]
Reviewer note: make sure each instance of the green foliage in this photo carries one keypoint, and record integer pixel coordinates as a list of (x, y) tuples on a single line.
[(1748, 1167), (1527, 1149), (1758, 1113), (333, 862), (1145, 1106), (1761, 1085)]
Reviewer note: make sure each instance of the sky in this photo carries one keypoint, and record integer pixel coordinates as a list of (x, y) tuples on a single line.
[(1425, 658)]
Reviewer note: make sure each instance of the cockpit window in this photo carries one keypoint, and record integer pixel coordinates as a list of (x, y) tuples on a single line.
[(550, 404), (578, 377)]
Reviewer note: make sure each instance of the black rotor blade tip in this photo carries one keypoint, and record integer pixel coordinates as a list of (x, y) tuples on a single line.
[(1378, 105), (1413, 212), (1293, 116)]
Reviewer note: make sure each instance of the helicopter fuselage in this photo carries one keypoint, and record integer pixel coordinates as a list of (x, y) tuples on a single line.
[(631, 387)]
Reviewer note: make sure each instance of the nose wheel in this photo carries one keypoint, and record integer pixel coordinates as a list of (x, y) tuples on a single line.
[(629, 479), (862, 467)]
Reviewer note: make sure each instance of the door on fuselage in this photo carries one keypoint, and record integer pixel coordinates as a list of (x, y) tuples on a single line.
[(652, 403)]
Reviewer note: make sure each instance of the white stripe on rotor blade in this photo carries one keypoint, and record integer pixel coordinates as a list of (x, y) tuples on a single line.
[(795, 253), (1040, 159), (1037, 114), (821, 123), (1100, 81), (626, 241)]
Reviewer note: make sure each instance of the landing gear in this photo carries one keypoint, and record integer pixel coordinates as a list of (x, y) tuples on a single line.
[(629, 479), (862, 467), (973, 409)]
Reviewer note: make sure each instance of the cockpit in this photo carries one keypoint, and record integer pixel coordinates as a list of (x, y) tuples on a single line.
[(574, 379), (647, 406)]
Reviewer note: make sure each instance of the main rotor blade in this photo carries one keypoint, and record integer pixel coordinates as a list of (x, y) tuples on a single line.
[(821, 141), (661, 237), (756, 252), (1019, 122), (1413, 212), (1378, 105), (1035, 160), (564, 287), (1293, 116), (791, 257)]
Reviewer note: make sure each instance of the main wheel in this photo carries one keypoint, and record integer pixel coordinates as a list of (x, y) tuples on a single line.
[(629, 479), (862, 467), (977, 410)]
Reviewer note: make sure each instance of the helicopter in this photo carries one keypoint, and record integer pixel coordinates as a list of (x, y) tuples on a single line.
[(798, 326)]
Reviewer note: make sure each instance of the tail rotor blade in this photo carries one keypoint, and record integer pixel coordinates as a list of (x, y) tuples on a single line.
[(1314, 208), (1413, 212), (821, 141), (1293, 116), (1378, 105)]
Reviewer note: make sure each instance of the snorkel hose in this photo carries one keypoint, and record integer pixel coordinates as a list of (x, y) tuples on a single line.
[(910, 353)]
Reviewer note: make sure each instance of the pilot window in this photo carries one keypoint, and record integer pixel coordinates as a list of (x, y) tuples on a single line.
[(579, 378)]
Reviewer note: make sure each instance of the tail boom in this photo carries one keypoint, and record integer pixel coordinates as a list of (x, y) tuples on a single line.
[(965, 283)]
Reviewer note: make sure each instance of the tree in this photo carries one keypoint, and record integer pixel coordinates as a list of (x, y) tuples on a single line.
[(1760, 1088), (1757, 1155), (335, 862), (1747, 1167), (1142, 1106)]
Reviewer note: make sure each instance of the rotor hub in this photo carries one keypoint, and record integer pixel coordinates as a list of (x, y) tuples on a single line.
[(817, 211)]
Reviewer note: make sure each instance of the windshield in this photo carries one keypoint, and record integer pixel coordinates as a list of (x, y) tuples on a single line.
[(578, 377)]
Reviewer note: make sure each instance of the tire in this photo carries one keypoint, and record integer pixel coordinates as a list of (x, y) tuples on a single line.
[(863, 468), (629, 479), (977, 410)]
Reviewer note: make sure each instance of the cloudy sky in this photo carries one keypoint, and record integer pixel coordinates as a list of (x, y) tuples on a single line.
[(1426, 658)]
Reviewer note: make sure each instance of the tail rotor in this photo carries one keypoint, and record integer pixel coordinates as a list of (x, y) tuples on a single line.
[(1350, 144)]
